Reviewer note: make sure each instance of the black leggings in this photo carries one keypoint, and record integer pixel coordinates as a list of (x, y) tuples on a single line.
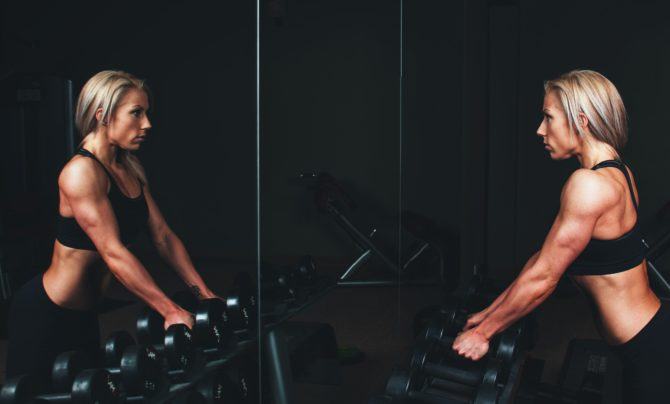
[(645, 361), (39, 330)]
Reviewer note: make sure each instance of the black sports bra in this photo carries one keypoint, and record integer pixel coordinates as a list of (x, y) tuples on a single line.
[(132, 215), (602, 257)]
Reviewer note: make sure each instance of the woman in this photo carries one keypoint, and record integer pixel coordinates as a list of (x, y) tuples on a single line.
[(595, 239), (104, 203)]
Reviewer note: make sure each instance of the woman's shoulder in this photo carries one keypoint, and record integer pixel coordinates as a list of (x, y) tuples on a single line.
[(590, 190), (81, 175)]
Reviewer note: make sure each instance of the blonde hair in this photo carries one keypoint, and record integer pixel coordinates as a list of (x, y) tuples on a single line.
[(591, 93), (105, 90)]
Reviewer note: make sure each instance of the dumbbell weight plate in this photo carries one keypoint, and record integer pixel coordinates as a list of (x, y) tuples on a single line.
[(507, 346), (401, 382), (95, 386), (218, 388), (142, 371), (179, 347), (212, 327), (306, 269), (65, 368), (19, 390), (150, 327), (115, 344), (189, 397)]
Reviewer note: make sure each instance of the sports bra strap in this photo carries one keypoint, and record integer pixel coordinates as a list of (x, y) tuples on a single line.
[(621, 166), (87, 153)]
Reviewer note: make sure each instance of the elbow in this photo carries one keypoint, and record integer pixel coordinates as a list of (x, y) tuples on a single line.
[(544, 287), (162, 239), (113, 255)]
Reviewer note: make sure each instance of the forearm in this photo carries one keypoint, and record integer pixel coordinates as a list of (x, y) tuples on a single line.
[(525, 294), (172, 250), (531, 261), (132, 274)]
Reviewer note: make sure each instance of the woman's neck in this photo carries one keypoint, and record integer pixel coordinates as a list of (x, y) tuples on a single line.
[(98, 144), (594, 152)]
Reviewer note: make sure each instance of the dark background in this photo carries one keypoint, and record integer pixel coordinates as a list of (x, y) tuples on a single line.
[(453, 139)]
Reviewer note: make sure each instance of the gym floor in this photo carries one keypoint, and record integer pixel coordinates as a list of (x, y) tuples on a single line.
[(377, 320)]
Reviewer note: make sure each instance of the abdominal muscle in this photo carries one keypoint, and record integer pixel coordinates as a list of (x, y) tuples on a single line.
[(75, 278), (623, 303)]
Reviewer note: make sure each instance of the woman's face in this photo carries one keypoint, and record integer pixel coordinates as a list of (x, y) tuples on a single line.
[(128, 126), (555, 129)]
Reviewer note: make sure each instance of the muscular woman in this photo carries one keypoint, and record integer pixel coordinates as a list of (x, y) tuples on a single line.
[(594, 239), (104, 203)]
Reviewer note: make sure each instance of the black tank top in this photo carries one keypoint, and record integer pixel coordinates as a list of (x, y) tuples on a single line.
[(132, 215), (602, 257)]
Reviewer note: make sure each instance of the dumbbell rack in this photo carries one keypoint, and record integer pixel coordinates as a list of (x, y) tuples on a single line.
[(273, 347), (274, 344)]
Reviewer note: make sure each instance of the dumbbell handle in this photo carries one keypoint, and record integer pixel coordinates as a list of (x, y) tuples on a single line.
[(55, 397), (469, 378), (437, 397), (450, 386)]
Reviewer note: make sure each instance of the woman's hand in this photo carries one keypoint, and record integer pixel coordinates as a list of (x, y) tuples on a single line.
[(471, 344), (475, 319), (179, 316)]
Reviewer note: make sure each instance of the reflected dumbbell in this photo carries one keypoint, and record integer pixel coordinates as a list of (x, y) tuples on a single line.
[(403, 385), (93, 386), (218, 387), (449, 322), (188, 397), (505, 346), (460, 377)]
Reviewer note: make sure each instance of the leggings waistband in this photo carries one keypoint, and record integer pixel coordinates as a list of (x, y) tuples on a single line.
[(645, 335)]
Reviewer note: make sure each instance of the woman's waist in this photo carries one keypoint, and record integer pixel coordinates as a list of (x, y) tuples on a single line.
[(621, 318), (74, 287)]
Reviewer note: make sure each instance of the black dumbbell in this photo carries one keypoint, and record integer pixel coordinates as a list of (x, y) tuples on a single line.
[(505, 346), (279, 287), (448, 322), (175, 344), (404, 385), (218, 387), (427, 359), (305, 271), (89, 387), (139, 368), (212, 327), (188, 397), (241, 304), (243, 371)]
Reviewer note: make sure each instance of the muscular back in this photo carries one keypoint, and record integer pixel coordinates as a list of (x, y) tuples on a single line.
[(623, 301)]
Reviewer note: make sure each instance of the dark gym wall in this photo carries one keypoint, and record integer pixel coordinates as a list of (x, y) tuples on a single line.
[(330, 102), (199, 60), (433, 128), (626, 43), (330, 77)]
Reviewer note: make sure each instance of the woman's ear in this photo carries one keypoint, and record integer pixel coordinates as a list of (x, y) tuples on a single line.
[(98, 116), (583, 122)]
